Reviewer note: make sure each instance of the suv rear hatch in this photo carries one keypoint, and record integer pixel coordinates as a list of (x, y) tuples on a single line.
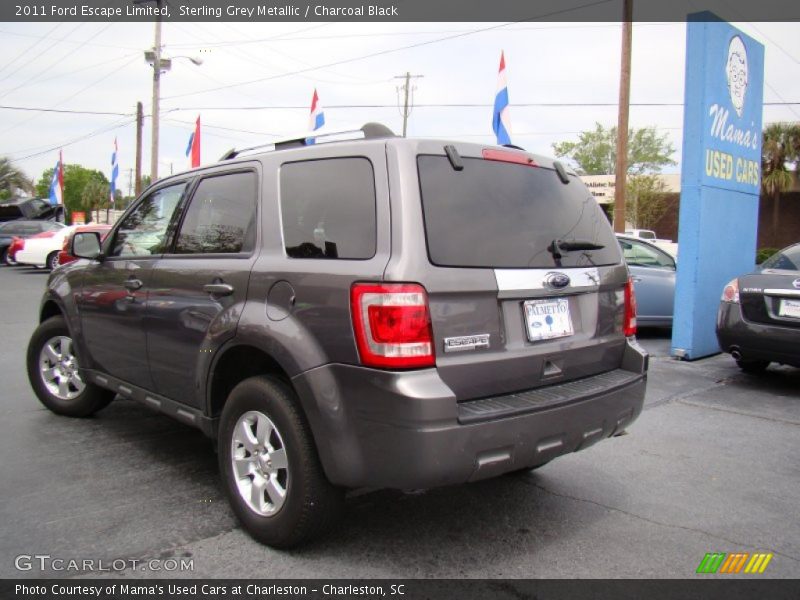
[(525, 279)]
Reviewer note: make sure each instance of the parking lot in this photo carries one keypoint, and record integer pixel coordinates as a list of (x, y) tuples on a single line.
[(710, 466)]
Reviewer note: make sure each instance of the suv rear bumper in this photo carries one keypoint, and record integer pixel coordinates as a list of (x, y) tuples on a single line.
[(405, 430)]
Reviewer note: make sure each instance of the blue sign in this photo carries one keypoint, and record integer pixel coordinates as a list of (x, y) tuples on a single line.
[(721, 175)]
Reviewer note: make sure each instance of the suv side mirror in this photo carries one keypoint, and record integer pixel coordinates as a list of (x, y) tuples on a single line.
[(86, 244)]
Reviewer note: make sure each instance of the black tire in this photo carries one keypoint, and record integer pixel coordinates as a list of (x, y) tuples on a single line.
[(311, 504), (754, 367), (76, 402), (52, 260), (4, 256)]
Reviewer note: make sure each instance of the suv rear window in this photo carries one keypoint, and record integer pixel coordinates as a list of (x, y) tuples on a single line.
[(505, 215), (328, 208)]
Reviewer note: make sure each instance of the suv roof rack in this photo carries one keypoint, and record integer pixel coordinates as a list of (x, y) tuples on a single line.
[(368, 131)]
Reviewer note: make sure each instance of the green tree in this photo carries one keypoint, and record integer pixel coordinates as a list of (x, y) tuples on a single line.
[(595, 152), (95, 197), (780, 155), (76, 179), (13, 180), (646, 201)]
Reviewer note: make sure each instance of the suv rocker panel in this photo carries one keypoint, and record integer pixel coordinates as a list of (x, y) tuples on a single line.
[(183, 413)]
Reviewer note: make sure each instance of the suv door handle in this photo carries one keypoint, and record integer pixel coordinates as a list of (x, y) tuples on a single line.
[(133, 284), (218, 289)]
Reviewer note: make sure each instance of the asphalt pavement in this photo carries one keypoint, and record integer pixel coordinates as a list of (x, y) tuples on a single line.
[(710, 466)]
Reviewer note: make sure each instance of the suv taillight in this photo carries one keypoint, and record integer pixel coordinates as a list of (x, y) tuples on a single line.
[(629, 324), (392, 325), (731, 292)]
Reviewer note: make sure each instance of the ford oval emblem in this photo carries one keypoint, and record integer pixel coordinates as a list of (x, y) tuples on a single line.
[(796, 283), (556, 280)]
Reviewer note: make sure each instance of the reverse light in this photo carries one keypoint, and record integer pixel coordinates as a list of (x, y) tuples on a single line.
[(392, 325), (731, 292), (629, 322)]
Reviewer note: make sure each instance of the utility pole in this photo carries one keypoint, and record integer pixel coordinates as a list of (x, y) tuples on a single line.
[(139, 125), (156, 98), (407, 89), (621, 169)]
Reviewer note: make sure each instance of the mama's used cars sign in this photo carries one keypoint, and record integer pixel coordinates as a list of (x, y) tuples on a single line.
[(721, 175), (732, 128)]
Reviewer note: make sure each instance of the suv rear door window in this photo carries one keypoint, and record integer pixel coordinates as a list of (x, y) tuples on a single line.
[(328, 208), (505, 215), (221, 216)]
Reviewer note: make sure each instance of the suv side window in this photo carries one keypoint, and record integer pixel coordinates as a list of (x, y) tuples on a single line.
[(221, 216), (144, 231), (328, 208)]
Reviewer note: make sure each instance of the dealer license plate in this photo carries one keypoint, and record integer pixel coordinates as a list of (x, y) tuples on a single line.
[(548, 319), (789, 308)]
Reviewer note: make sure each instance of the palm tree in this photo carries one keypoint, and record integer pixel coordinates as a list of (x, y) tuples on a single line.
[(12, 180), (780, 154)]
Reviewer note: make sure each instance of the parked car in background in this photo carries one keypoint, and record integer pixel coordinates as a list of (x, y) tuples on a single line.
[(42, 251), (653, 273), (22, 229), (64, 256), (759, 314), (649, 235), (31, 209), (11, 253)]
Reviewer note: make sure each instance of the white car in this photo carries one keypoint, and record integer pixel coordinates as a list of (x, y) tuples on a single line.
[(649, 235), (42, 250)]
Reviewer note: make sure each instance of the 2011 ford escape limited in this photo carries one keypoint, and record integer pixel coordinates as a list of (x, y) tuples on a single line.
[(376, 312)]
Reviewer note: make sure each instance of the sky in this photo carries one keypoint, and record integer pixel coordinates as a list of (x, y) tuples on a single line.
[(256, 81)]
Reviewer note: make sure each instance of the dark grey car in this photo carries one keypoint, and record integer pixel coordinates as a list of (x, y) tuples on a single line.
[(382, 312), (759, 314)]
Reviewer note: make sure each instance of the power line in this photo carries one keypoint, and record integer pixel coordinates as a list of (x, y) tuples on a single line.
[(455, 105), (30, 61), (353, 106), (108, 128), (396, 33), (71, 96), (388, 51), (64, 111), (27, 50), (58, 60), (64, 40)]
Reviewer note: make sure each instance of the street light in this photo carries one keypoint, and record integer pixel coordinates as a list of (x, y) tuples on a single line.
[(160, 64)]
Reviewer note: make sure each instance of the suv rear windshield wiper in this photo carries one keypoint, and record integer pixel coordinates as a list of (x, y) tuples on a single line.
[(557, 246)]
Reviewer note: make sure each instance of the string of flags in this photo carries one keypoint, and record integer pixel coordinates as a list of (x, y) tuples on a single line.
[(57, 183), (193, 148), (501, 123), (316, 118), (114, 173)]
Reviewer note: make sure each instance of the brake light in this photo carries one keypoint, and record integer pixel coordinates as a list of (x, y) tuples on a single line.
[(65, 245), (507, 156), (731, 292), (629, 323), (392, 325)]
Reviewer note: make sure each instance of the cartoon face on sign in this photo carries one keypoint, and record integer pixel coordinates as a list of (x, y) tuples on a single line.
[(736, 72)]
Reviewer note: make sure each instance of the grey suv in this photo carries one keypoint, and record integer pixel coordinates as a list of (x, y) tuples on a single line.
[(378, 312)]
